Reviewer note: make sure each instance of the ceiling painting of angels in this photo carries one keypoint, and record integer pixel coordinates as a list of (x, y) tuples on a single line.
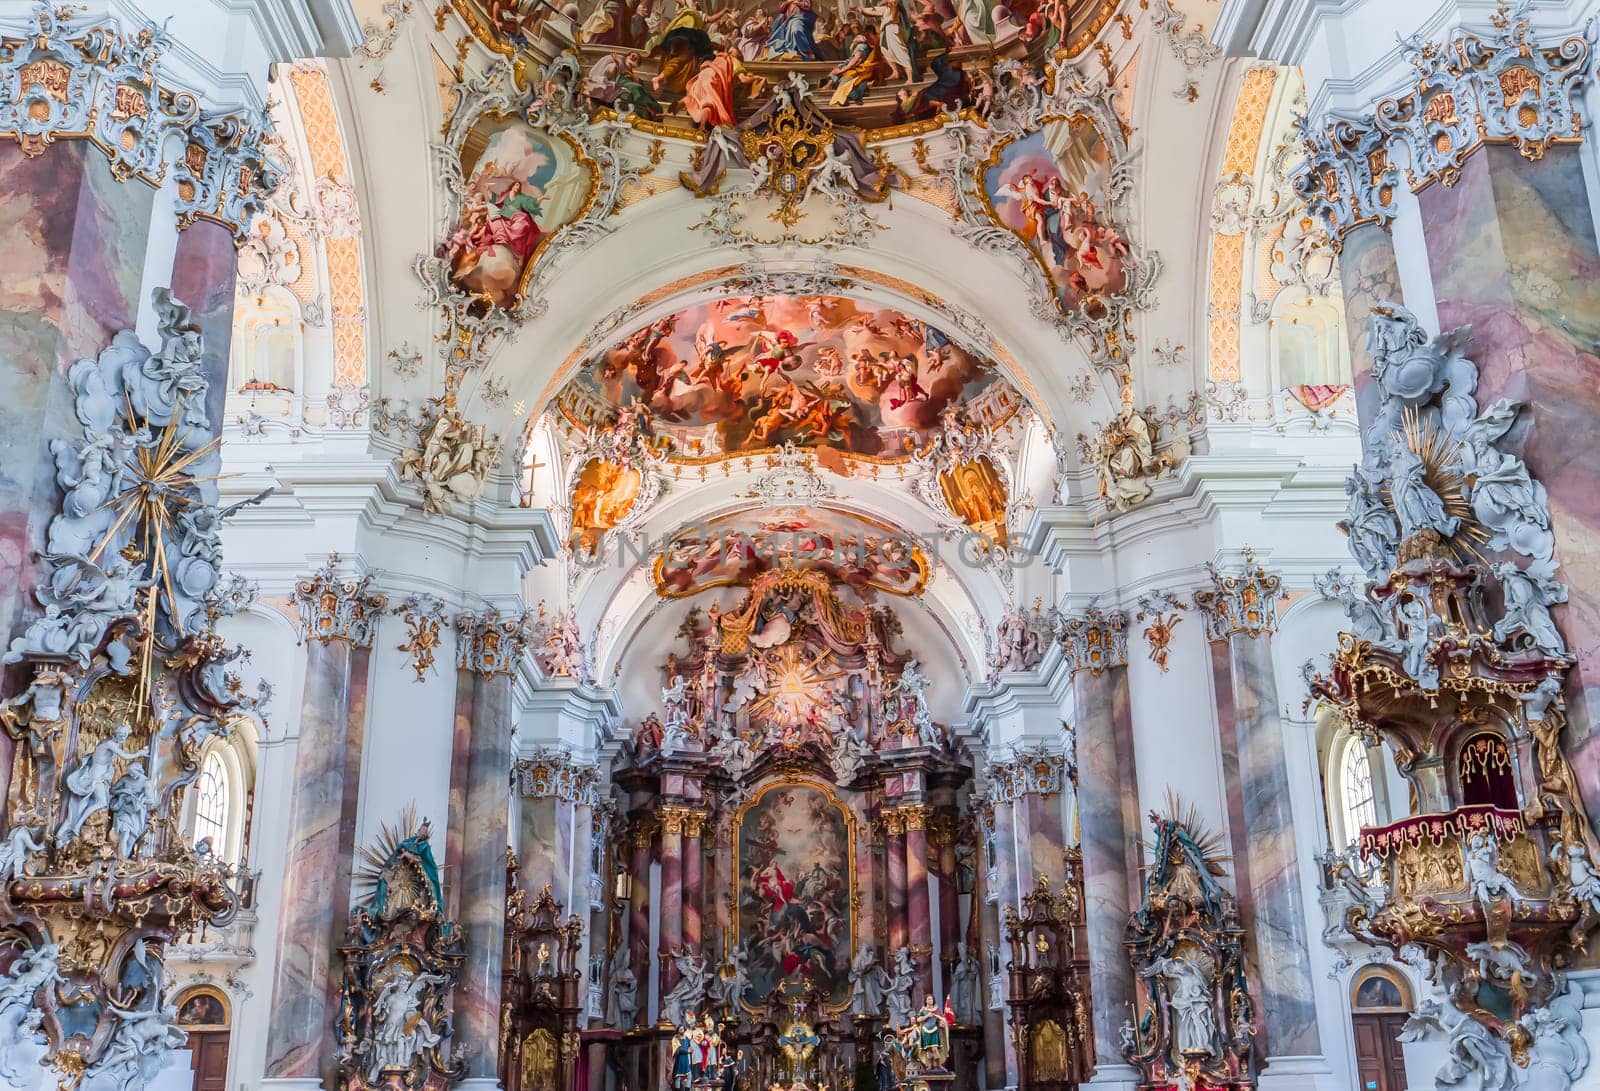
[(736, 549), (703, 62), (522, 186), (793, 862), (750, 373), (1051, 188)]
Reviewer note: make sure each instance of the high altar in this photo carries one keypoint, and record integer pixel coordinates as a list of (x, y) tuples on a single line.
[(809, 838)]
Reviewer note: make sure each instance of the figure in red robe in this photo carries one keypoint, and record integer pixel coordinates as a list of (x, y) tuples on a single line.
[(708, 96)]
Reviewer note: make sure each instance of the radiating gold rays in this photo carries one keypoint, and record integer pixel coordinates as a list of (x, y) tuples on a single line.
[(1440, 454)]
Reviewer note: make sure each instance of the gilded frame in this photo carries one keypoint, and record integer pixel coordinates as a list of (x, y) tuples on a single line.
[(851, 836)]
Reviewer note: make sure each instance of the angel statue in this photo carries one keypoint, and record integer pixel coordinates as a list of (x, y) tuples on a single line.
[(140, 1046), (1488, 882), (869, 983), (29, 972), (399, 1033), (1582, 881), (89, 785)]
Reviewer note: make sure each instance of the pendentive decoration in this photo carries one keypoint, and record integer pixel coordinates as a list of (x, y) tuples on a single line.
[(123, 683), (1194, 1018), (402, 956), (1454, 661)]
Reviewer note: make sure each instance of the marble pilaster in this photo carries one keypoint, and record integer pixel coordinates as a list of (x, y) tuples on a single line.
[(641, 839), (1241, 615), (487, 655), (1108, 831), (919, 917), (337, 618), (671, 904), (693, 879), (898, 901)]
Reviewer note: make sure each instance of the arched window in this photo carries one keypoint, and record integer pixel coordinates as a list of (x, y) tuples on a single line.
[(1358, 805), (212, 802), (219, 799)]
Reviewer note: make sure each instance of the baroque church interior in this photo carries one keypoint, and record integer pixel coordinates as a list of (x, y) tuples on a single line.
[(796, 545)]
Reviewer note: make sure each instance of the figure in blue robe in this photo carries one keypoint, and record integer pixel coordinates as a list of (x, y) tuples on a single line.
[(793, 33)]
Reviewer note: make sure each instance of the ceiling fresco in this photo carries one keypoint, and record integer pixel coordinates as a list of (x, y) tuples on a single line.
[(751, 373), (691, 62), (1051, 188), (850, 549)]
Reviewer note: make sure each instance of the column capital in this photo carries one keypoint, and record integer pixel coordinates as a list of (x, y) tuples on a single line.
[(1497, 87), (1039, 769), (547, 774), (334, 607), (642, 831), (678, 819), (490, 643), (1095, 640), (1242, 602)]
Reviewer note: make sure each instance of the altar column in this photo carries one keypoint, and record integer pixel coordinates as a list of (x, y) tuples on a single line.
[(918, 913), (338, 616), (693, 878), (641, 836), (1240, 612), (1108, 820), (894, 825), (490, 647), (672, 821)]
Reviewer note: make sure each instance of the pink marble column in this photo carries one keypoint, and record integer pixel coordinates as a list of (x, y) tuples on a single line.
[(483, 874), (693, 888), (671, 893), (895, 861), (642, 838), (918, 914), (1108, 819), (321, 820)]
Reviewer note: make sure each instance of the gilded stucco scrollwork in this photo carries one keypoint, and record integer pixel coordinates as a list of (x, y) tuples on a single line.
[(1498, 88), (90, 81)]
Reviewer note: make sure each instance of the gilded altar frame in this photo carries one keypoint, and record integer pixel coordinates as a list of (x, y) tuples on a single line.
[(851, 835)]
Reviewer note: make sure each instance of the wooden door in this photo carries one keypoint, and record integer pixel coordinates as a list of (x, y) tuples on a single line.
[(210, 1059), (1380, 1058)]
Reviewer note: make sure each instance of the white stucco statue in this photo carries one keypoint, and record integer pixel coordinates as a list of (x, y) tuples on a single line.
[(899, 995), (1189, 993), (89, 785), (14, 852), (1484, 875), (397, 1037), (869, 982)]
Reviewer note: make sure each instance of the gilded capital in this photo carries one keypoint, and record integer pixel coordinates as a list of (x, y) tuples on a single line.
[(1240, 602), (490, 643), (338, 608), (1095, 640)]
